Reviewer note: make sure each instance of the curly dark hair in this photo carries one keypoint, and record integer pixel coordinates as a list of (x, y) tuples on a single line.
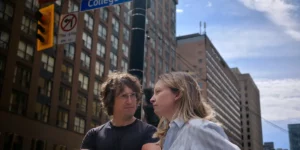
[(114, 85)]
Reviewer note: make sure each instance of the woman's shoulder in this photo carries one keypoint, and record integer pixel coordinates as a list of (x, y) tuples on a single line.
[(202, 124)]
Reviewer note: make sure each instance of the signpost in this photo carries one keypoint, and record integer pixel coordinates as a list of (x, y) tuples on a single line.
[(93, 4), (67, 28)]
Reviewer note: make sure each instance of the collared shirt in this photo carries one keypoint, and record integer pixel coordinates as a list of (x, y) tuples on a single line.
[(197, 134), (175, 126)]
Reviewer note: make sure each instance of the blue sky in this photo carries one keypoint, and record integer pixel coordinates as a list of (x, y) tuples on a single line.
[(260, 37)]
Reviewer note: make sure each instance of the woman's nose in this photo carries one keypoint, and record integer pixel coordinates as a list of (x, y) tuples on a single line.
[(152, 100)]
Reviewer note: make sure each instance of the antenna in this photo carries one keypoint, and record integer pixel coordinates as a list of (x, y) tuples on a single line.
[(204, 27), (200, 27)]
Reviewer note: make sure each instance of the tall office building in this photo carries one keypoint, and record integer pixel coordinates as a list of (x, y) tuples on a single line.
[(269, 146), (197, 54), (294, 136), (250, 112), (160, 47), (49, 99)]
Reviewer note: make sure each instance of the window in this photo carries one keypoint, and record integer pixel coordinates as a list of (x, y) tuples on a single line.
[(160, 64), (249, 137), (167, 68), (113, 59), (87, 40), (100, 50), (246, 95), (103, 14), (45, 87), (83, 81), (247, 122), (247, 115), (102, 32), (97, 86), (128, 5), (152, 74), (38, 144), (64, 95), (126, 34), (114, 41), (248, 129), (94, 124), (69, 51), (25, 51), (117, 9), (96, 108), (18, 102), (4, 39), (12, 141), (85, 60), (81, 103), (72, 6), (62, 118), (42, 112), (249, 144), (28, 25), (6, 11), (47, 62), (115, 24), (59, 147), (22, 76), (200, 61), (127, 18), (174, 64), (79, 124), (124, 65), (89, 21), (125, 50), (67, 73), (99, 68)]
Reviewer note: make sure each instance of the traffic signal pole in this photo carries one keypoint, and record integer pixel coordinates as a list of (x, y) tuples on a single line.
[(136, 61)]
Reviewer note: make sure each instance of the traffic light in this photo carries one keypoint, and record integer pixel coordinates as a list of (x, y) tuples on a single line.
[(45, 27)]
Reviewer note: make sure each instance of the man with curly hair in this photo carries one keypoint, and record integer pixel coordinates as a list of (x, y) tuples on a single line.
[(120, 94)]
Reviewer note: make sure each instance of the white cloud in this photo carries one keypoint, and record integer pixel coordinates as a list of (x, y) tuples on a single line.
[(280, 12), (209, 4), (280, 99), (250, 42), (187, 5), (179, 10)]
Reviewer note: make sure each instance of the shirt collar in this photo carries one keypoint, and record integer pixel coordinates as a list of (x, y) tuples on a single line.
[(177, 122)]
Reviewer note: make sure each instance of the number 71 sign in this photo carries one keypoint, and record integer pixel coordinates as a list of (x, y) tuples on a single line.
[(67, 28)]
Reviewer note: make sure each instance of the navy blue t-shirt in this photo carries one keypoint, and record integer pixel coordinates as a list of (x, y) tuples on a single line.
[(109, 137)]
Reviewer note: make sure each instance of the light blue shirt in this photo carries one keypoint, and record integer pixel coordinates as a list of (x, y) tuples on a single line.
[(175, 126), (196, 134)]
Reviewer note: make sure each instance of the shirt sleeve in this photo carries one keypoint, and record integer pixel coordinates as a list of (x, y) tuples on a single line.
[(148, 135), (89, 140)]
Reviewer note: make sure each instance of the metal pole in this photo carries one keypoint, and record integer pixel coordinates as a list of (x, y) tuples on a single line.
[(136, 61)]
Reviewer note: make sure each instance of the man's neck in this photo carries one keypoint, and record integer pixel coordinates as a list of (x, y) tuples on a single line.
[(118, 122)]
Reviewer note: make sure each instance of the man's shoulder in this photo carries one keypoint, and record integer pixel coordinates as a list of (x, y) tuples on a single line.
[(99, 128), (145, 125)]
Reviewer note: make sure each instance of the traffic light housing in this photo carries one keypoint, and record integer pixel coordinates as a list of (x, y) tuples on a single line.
[(45, 27)]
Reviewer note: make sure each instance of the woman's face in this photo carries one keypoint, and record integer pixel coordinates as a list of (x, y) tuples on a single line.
[(163, 100)]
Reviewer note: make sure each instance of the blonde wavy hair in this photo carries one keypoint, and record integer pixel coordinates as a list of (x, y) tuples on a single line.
[(190, 105)]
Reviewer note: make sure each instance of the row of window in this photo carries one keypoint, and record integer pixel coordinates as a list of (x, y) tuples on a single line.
[(19, 100)]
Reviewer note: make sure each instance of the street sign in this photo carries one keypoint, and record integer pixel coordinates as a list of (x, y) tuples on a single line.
[(67, 28), (93, 4)]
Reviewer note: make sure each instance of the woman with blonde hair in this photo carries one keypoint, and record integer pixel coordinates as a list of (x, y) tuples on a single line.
[(187, 121)]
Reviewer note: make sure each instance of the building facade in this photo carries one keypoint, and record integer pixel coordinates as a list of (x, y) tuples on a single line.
[(250, 112), (269, 146), (294, 136), (197, 54), (54, 94)]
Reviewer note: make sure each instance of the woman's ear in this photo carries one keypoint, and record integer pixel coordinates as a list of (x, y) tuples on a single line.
[(178, 95)]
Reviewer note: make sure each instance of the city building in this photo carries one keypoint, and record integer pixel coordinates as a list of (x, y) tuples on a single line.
[(269, 146), (294, 136), (160, 47), (197, 55), (250, 112), (50, 99)]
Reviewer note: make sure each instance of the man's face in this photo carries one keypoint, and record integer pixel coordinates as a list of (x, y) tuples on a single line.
[(125, 103)]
